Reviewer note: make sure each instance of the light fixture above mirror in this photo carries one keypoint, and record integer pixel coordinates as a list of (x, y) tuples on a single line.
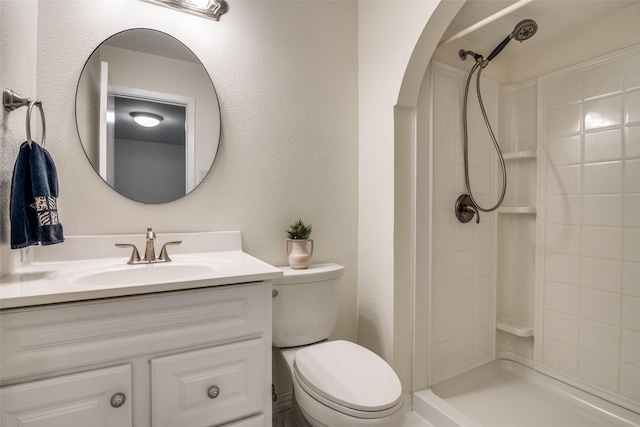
[(211, 9)]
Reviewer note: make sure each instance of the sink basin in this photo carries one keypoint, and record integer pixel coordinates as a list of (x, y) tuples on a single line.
[(146, 274), (92, 267)]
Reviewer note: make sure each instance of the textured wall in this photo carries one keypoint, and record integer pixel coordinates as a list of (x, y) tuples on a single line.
[(286, 77), (17, 72), (387, 36)]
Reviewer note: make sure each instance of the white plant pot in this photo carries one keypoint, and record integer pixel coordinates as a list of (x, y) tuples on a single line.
[(299, 252)]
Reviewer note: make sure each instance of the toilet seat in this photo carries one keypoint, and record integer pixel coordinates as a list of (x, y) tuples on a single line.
[(348, 378)]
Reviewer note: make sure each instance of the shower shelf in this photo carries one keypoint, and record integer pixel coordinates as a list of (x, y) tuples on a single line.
[(514, 327), (520, 155), (517, 210)]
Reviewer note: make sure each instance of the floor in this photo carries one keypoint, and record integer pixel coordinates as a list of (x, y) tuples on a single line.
[(412, 420)]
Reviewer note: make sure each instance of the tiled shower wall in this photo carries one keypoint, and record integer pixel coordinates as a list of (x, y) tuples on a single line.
[(591, 221), (462, 318)]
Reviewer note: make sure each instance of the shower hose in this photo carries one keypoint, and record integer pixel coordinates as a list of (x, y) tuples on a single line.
[(477, 66)]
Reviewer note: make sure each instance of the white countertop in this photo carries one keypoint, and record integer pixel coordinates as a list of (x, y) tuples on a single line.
[(52, 279)]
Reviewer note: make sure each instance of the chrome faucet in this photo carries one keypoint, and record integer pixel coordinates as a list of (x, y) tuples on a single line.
[(149, 252)]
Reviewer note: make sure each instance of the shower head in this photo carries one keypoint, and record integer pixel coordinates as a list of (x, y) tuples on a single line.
[(522, 31)]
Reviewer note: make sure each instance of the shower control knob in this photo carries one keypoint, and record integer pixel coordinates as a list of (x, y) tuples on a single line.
[(466, 210)]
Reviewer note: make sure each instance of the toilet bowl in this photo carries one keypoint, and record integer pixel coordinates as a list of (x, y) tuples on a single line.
[(339, 383), (335, 383)]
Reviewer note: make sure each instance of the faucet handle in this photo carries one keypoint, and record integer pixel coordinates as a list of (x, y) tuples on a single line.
[(465, 209), (164, 255), (135, 256), (473, 210)]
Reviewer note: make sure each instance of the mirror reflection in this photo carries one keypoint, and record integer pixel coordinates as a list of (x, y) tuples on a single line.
[(147, 115)]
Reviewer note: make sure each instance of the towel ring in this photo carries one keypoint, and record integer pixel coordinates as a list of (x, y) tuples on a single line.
[(13, 101), (44, 125)]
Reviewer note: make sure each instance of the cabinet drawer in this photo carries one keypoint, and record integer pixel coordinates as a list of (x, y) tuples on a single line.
[(46, 339), (180, 385), (82, 399)]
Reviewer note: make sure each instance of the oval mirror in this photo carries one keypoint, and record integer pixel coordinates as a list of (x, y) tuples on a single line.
[(147, 116)]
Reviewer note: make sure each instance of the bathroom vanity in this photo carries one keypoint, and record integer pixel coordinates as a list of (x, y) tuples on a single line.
[(86, 343)]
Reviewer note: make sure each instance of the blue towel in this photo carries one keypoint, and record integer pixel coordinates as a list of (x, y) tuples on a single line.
[(34, 194)]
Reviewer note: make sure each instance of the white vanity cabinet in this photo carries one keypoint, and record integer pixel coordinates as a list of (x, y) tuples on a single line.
[(199, 357)]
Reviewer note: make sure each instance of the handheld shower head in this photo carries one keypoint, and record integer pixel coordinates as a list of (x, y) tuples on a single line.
[(522, 31)]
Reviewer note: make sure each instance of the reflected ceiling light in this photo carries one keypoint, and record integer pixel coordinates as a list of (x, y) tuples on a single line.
[(147, 120), (211, 9)]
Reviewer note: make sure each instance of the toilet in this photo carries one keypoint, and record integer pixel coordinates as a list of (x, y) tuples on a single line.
[(335, 383)]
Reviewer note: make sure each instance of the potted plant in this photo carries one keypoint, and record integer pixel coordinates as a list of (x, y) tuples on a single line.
[(299, 246)]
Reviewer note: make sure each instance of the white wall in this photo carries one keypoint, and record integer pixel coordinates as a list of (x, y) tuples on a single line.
[(286, 77), (387, 36), (17, 72)]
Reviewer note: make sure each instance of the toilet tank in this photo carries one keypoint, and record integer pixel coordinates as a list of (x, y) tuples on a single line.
[(305, 304)]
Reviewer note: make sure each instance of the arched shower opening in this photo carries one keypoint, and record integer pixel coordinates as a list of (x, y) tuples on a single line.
[(530, 238)]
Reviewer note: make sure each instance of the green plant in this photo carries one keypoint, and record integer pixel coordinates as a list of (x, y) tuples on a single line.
[(299, 231)]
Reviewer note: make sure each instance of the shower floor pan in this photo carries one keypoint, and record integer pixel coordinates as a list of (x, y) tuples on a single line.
[(506, 394)]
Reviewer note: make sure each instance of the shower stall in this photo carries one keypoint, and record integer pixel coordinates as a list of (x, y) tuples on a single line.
[(532, 315)]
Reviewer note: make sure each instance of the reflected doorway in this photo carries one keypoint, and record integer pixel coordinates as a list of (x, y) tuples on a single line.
[(149, 162)]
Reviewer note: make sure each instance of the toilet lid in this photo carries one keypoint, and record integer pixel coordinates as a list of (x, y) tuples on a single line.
[(349, 375)]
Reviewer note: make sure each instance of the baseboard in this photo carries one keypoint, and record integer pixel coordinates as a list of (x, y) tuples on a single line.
[(283, 403)]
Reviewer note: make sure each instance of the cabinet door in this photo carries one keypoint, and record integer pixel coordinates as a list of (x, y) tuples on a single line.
[(209, 387), (77, 400)]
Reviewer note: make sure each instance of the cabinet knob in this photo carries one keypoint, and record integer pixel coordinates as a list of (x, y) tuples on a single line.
[(213, 392), (118, 399)]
